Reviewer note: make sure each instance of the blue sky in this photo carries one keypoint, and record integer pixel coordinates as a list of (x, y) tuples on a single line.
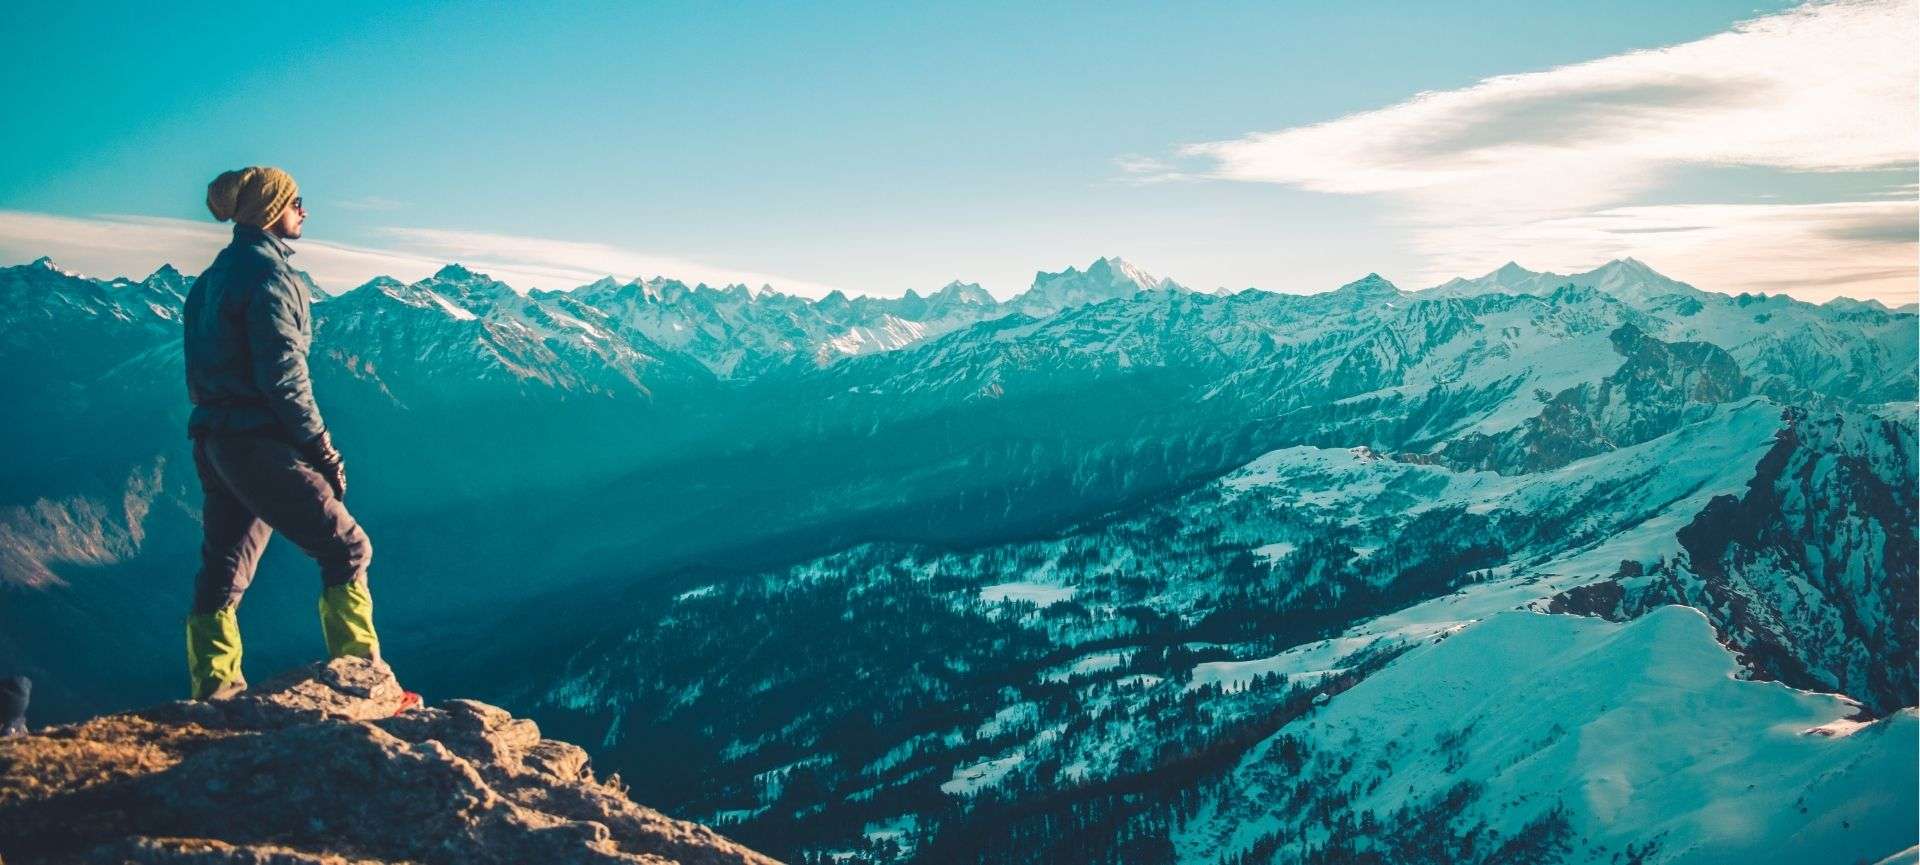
[(877, 147)]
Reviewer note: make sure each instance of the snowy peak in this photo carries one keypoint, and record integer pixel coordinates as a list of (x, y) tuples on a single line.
[(1512, 271), (378, 284), (453, 290), (45, 265), (476, 293), (1370, 282), (1509, 278), (452, 272), (166, 273), (1628, 279), (834, 301), (1627, 269), (418, 295), (1369, 289), (1104, 279), (1118, 270), (52, 292), (603, 284), (957, 293)]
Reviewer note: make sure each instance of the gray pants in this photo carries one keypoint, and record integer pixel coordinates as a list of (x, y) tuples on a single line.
[(255, 486)]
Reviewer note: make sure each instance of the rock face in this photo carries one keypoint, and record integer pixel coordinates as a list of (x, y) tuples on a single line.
[(314, 768), (1659, 387)]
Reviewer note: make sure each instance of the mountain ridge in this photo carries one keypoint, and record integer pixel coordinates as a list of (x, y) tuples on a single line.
[(1057, 560)]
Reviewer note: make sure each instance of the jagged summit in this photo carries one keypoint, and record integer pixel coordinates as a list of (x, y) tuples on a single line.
[(1107, 278), (1628, 279), (1119, 268), (46, 264), (457, 271), (314, 768), (1372, 285), (380, 282), (961, 294), (605, 283)]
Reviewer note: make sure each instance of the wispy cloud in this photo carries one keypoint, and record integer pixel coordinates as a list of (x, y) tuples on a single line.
[(1549, 166), (1860, 249), (1135, 168), (117, 245)]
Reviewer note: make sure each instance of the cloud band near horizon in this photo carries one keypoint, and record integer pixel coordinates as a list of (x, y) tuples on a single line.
[(1578, 163), (127, 245)]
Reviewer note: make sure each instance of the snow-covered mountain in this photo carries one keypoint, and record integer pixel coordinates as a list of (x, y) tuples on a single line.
[(462, 329), (1799, 351), (1104, 279), (1111, 571), (737, 333)]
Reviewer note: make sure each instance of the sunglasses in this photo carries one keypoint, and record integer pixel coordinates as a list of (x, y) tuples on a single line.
[(298, 203)]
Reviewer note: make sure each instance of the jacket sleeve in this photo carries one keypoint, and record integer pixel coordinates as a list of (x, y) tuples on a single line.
[(277, 340)]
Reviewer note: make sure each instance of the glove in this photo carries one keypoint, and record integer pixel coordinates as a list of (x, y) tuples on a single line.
[(326, 459)]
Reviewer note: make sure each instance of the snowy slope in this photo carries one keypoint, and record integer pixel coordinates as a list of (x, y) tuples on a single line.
[(1639, 731), (941, 577), (1795, 349), (1249, 574)]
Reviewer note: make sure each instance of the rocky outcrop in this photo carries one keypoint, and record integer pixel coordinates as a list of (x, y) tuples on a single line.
[(1811, 573), (1659, 387), (316, 769)]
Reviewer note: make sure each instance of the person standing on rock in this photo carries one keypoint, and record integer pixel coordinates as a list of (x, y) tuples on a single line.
[(265, 459)]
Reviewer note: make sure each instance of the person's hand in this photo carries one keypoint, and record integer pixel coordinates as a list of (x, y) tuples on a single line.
[(326, 458)]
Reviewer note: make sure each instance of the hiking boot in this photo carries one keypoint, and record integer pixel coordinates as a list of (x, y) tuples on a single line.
[(226, 690)]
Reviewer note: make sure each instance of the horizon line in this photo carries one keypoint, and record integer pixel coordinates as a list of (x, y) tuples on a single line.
[(766, 289)]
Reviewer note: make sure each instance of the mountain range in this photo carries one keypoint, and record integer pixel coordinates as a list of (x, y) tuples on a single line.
[(1525, 567)]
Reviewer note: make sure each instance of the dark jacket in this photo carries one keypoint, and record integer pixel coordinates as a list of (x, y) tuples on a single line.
[(249, 323)]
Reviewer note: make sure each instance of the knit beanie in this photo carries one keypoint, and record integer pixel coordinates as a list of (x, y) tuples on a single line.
[(255, 195)]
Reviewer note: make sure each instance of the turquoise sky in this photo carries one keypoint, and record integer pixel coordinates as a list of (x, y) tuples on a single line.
[(873, 147)]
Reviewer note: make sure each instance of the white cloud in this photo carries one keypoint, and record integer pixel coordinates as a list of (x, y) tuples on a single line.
[(1147, 169), (1557, 158), (119, 245)]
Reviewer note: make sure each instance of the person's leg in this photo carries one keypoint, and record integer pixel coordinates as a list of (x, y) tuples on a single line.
[(14, 693), (277, 484), (231, 542)]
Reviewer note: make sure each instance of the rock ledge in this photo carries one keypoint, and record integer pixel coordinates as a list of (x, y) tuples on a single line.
[(314, 768)]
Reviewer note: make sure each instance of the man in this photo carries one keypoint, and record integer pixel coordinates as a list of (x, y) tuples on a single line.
[(265, 459)]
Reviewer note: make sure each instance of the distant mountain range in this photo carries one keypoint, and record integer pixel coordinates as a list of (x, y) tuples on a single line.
[(1112, 570)]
